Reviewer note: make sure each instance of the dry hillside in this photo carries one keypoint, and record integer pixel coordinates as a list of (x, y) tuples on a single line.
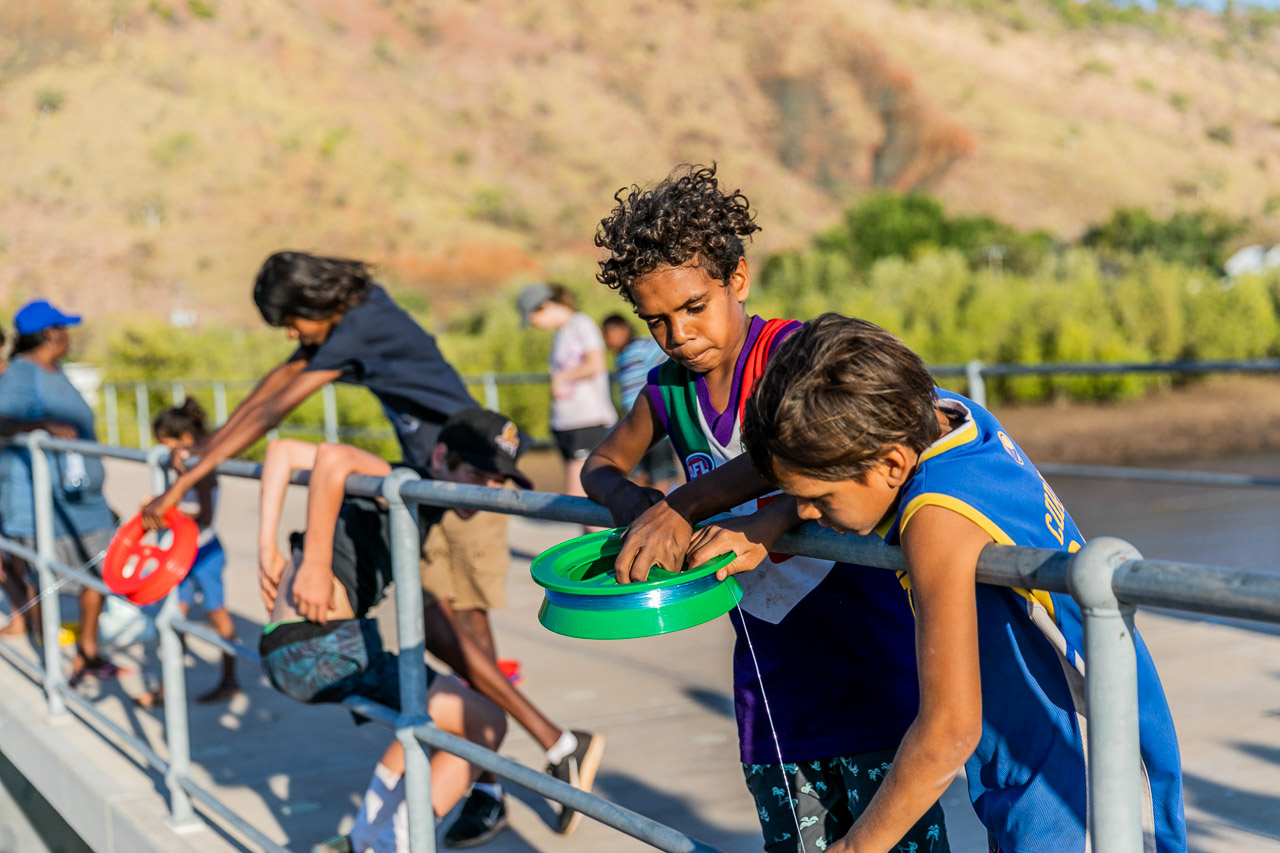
[(153, 151)]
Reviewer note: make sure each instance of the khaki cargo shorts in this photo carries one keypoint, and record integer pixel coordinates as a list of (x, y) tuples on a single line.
[(466, 562)]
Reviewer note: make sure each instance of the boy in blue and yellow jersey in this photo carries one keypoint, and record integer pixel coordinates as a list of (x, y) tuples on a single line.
[(848, 422), (825, 697)]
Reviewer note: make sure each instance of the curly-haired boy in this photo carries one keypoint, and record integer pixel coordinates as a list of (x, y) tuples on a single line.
[(825, 697)]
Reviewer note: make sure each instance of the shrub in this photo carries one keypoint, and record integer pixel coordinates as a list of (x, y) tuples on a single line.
[(1195, 238), (1222, 134), (50, 100), (886, 225)]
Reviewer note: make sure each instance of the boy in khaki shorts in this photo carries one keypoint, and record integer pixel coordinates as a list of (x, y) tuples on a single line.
[(464, 565)]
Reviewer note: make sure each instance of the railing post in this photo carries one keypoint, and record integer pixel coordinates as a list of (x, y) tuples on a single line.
[(143, 406), (1111, 697), (219, 403), (50, 604), (179, 393), (111, 413), (490, 392), (173, 677), (977, 385), (405, 551), (330, 398)]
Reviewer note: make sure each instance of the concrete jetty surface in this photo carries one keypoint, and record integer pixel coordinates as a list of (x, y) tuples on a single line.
[(664, 703)]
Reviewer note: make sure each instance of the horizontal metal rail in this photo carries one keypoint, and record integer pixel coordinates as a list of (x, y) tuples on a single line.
[(623, 819), (87, 709), (976, 372), (645, 829)]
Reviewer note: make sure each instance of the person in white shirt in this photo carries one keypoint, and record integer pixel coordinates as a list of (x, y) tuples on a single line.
[(581, 409)]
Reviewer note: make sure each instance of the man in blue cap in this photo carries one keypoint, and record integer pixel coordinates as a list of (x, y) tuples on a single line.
[(36, 394)]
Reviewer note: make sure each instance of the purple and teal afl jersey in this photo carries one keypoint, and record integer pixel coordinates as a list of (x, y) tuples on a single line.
[(834, 643), (1027, 777)]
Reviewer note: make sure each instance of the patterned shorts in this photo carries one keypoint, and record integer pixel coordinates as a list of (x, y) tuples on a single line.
[(827, 796), (327, 663)]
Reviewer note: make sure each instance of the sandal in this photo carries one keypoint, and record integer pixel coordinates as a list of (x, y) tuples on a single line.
[(97, 667)]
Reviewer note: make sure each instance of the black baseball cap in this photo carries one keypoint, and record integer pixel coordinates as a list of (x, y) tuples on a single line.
[(487, 440)]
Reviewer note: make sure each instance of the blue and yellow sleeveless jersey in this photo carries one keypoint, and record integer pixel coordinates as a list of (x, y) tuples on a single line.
[(1027, 777)]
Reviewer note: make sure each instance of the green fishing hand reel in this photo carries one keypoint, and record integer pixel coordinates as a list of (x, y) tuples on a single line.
[(584, 600)]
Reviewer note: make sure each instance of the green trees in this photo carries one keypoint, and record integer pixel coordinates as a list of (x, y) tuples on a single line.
[(1196, 238), (959, 288)]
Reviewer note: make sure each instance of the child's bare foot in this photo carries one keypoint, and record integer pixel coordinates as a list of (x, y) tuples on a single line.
[(224, 692)]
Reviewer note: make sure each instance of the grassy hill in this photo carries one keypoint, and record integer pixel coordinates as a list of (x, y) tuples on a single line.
[(152, 153)]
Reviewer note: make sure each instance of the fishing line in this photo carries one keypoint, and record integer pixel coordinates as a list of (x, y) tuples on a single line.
[(65, 579), (786, 786), (58, 584), (653, 598)]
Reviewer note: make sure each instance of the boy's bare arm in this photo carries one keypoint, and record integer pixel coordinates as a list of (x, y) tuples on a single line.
[(283, 457), (254, 423), (204, 492), (661, 535), (941, 549), (750, 537), (313, 587), (333, 464), (604, 474), (267, 386)]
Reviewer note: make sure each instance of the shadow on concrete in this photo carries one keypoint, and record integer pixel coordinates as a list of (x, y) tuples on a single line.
[(713, 700), (27, 821), (631, 793), (1242, 624), (1251, 811), (672, 810)]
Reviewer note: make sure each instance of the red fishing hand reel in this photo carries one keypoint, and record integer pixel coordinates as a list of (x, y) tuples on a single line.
[(145, 573)]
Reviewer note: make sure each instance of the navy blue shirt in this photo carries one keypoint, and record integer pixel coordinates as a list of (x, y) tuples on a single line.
[(377, 345), (29, 392)]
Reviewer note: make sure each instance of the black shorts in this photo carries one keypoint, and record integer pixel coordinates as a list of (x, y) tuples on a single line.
[(578, 443)]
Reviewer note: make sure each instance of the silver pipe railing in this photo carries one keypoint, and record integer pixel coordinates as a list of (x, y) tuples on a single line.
[(412, 726), (975, 372), (1107, 577)]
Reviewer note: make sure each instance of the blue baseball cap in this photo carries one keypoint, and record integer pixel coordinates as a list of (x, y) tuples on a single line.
[(38, 315)]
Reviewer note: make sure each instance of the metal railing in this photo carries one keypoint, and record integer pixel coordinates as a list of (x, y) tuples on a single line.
[(330, 429), (975, 373), (1107, 577)]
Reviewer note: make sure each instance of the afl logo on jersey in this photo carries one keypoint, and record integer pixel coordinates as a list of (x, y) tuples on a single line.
[(698, 464), (1010, 448)]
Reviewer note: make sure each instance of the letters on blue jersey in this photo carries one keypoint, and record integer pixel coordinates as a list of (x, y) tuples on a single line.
[(1027, 776)]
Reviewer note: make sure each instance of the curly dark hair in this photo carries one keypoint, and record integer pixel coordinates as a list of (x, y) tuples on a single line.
[(834, 396), (296, 284), (685, 218)]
